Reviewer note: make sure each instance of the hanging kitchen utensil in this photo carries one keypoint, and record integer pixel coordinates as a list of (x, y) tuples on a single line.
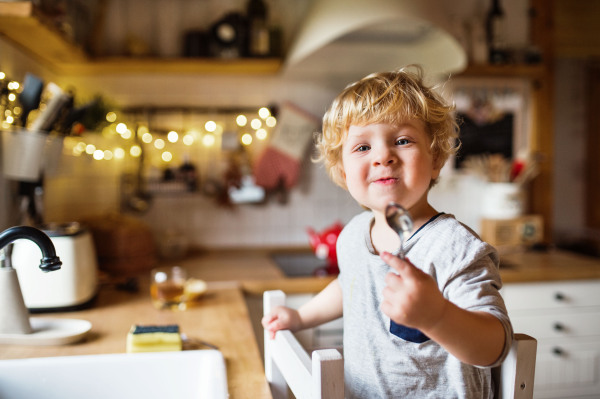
[(279, 164), (55, 105), (30, 96)]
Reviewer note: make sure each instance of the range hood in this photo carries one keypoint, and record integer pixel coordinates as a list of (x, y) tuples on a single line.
[(341, 41)]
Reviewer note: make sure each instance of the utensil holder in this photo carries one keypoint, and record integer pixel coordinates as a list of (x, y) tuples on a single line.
[(503, 201), (26, 153)]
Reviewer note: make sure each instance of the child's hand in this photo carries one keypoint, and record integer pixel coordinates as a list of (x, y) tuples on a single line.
[(411, 297), (281, 318)]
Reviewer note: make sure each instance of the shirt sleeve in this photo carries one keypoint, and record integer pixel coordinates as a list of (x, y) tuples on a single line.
[(476, 287)]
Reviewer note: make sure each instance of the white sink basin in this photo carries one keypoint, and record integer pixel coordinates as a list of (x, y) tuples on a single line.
[(160, 375)]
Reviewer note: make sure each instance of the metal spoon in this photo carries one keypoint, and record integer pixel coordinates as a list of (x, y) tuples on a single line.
[(400, 221)]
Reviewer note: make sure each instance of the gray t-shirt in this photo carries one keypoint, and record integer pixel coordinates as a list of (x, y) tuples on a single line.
[(380, 364)]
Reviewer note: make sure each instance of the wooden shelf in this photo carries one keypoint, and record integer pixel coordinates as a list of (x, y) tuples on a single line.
[(529, 71), (206, 66), (21, 24)]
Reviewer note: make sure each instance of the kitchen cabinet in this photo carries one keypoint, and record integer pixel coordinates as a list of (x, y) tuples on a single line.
[(22, 24), (541, 132), (565, 319)]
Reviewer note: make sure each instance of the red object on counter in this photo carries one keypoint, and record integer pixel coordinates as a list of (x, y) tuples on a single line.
[(323, 245)]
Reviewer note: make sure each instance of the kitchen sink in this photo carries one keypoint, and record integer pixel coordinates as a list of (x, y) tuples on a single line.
[(298, 264), (157, 375)]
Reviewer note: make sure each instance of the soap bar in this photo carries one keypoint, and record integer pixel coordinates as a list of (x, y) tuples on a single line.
[(153, 339)]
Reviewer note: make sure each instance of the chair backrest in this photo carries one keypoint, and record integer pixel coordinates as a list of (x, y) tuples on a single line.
[(513, 379), (287, 364)]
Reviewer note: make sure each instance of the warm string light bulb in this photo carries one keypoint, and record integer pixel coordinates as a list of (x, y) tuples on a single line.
[(119, 153), (172, 136), (261, 134), (111, 117), (264, 112), (188, 139), (208, 140), (135, 151), (147, 138), (121, 128), (256, 124), (210, 126), (246, 139), (241, 120)]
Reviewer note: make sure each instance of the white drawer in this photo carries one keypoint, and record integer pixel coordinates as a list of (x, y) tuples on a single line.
[(567, 370), (551, 295), (558, 325)]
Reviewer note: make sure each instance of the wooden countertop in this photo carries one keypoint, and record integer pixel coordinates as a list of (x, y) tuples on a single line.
[(516, 267), (547, 266), (221, 317)]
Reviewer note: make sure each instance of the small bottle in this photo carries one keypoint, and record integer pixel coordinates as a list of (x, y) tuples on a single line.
[(258, 30), (495, 30)]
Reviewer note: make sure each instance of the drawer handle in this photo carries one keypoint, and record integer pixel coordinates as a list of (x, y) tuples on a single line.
[(558, 351), (559, 297), (558, 327)]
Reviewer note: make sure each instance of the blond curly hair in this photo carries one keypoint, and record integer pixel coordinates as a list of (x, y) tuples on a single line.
[(387, 97)]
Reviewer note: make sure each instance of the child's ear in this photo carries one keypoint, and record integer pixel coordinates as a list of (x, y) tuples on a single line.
[(438, 164), (341, 176)]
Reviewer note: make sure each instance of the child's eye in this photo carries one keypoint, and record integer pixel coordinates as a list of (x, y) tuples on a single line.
[(402, 142), (363, 147)]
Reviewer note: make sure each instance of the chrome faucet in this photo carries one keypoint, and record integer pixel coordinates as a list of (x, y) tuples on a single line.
[(14, 316)]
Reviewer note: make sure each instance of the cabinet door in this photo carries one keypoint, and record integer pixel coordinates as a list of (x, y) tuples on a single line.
[(565, 319), (559, 295), (564, 325), (567, 370)]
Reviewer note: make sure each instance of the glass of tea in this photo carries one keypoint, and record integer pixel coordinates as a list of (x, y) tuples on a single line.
[(167, 287)]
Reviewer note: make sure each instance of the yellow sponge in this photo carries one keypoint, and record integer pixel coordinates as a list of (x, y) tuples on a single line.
[(153, 339)]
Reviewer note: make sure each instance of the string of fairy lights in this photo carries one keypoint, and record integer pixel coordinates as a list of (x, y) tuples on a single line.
[(249, 127), (165, 145)]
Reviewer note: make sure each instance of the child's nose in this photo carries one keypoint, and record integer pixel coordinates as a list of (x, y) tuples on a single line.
[(384, 156)]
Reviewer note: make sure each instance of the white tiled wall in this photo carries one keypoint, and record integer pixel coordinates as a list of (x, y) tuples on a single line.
[(274, 224), (86, 188)]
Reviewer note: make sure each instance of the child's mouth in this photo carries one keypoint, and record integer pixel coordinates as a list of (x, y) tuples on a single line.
[(387, 180)]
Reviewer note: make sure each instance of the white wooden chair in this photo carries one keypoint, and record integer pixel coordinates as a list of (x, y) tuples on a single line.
[(513, 379), (287, 364)]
